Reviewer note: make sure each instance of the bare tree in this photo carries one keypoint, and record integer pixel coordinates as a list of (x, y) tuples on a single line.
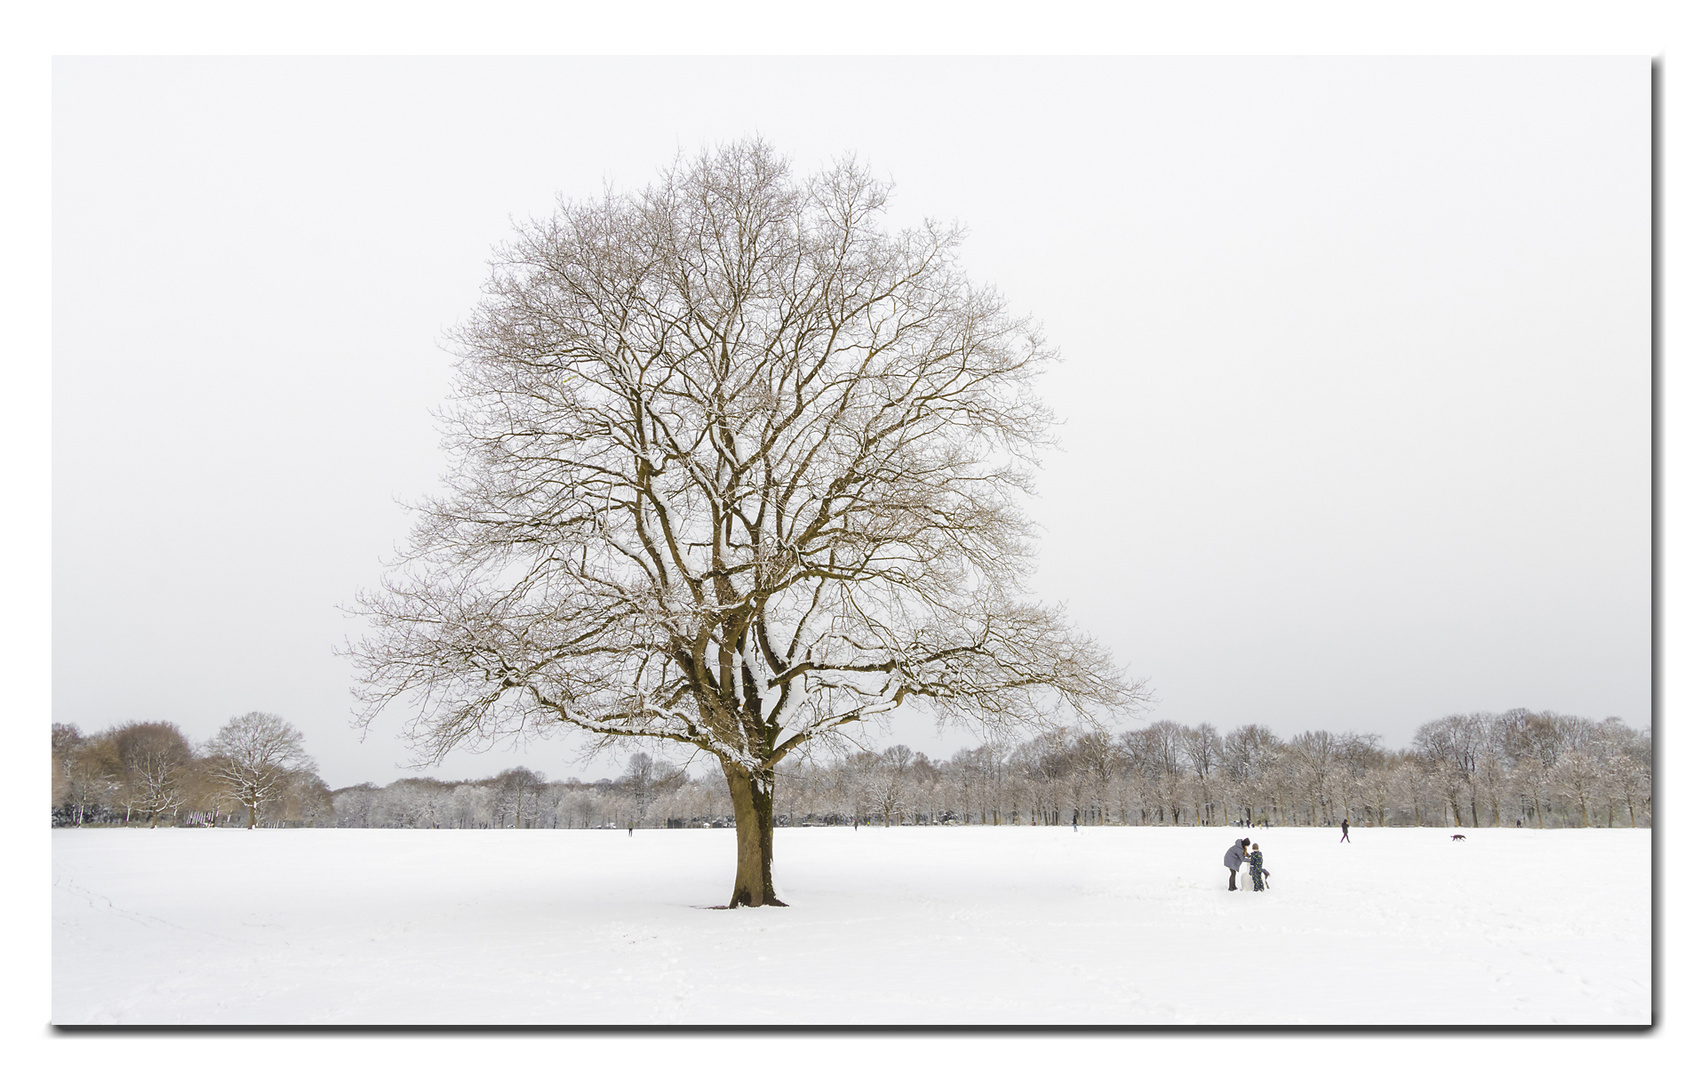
[(516, 796), (733, 467), (1204, 751), (1249, 751), (471, 806), (1629, 770), (1412, 782), (154, 759), (304, 799), (641, 782), (1096, 764), (1156, 751), (1313, 753), (1578, 775), (86, 772), (252, 757), (1452, 747), (889, 787), (1356, 757), (924, 790)]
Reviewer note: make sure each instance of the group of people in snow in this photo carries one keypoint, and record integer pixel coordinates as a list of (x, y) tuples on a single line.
[(1245, 851)]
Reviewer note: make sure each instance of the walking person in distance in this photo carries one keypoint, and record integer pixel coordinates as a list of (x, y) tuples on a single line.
[(1344, 831)]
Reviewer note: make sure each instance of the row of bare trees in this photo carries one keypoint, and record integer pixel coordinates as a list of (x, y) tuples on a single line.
[(650, 793), (254, 771), (1516, 768), (1479, 769)]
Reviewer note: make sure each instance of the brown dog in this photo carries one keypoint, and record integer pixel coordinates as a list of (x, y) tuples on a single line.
[(1459, 836)]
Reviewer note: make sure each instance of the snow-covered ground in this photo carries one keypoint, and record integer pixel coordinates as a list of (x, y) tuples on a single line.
[(887, 926)]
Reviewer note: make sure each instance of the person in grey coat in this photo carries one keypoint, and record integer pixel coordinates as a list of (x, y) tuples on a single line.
[(1233, 858)]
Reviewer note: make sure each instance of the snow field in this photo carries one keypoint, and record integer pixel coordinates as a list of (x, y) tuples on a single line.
[(887, 926)]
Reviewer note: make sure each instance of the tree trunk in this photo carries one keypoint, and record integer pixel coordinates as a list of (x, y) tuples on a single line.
[(753, 820)]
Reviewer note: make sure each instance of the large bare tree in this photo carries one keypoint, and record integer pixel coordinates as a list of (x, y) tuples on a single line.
[(733, 467)]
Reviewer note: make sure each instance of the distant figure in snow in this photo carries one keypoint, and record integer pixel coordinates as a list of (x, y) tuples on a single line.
[(1075, 820), (1233, 858), (1344, 831), (1257, 858)]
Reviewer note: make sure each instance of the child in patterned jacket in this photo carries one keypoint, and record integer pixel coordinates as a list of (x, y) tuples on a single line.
[(1261, 876)]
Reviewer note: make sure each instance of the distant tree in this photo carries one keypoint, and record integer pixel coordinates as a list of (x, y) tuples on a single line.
[(888, 788), (471, 804), (859, 775), (1452, 748), (1630, 771), (252, 759), (1377, 787), (1313, 753), (517, 791), (354, 805), (67, 739), (1096, 761), (303, 799), (923, 789), (204, 801), (1157, 751), (1578, 775), (1291, 779), (154, 759), (1247, 752), (640, 783), (1204, 751)]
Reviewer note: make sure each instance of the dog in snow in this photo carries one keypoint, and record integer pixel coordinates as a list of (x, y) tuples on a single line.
[(1459, 836)]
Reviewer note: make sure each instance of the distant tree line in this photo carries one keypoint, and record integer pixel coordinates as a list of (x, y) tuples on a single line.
[(253, 772), (1540, 770), (649, 794)]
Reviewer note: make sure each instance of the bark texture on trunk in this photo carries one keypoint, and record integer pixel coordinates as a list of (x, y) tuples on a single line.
[(753, 820)]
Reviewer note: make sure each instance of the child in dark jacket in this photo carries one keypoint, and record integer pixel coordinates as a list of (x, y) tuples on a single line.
[(1257, 859)]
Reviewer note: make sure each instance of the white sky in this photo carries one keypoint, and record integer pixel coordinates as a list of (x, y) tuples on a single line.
[(1356, 380)]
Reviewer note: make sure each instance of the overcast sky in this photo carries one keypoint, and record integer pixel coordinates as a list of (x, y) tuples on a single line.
[(1356, 378)]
